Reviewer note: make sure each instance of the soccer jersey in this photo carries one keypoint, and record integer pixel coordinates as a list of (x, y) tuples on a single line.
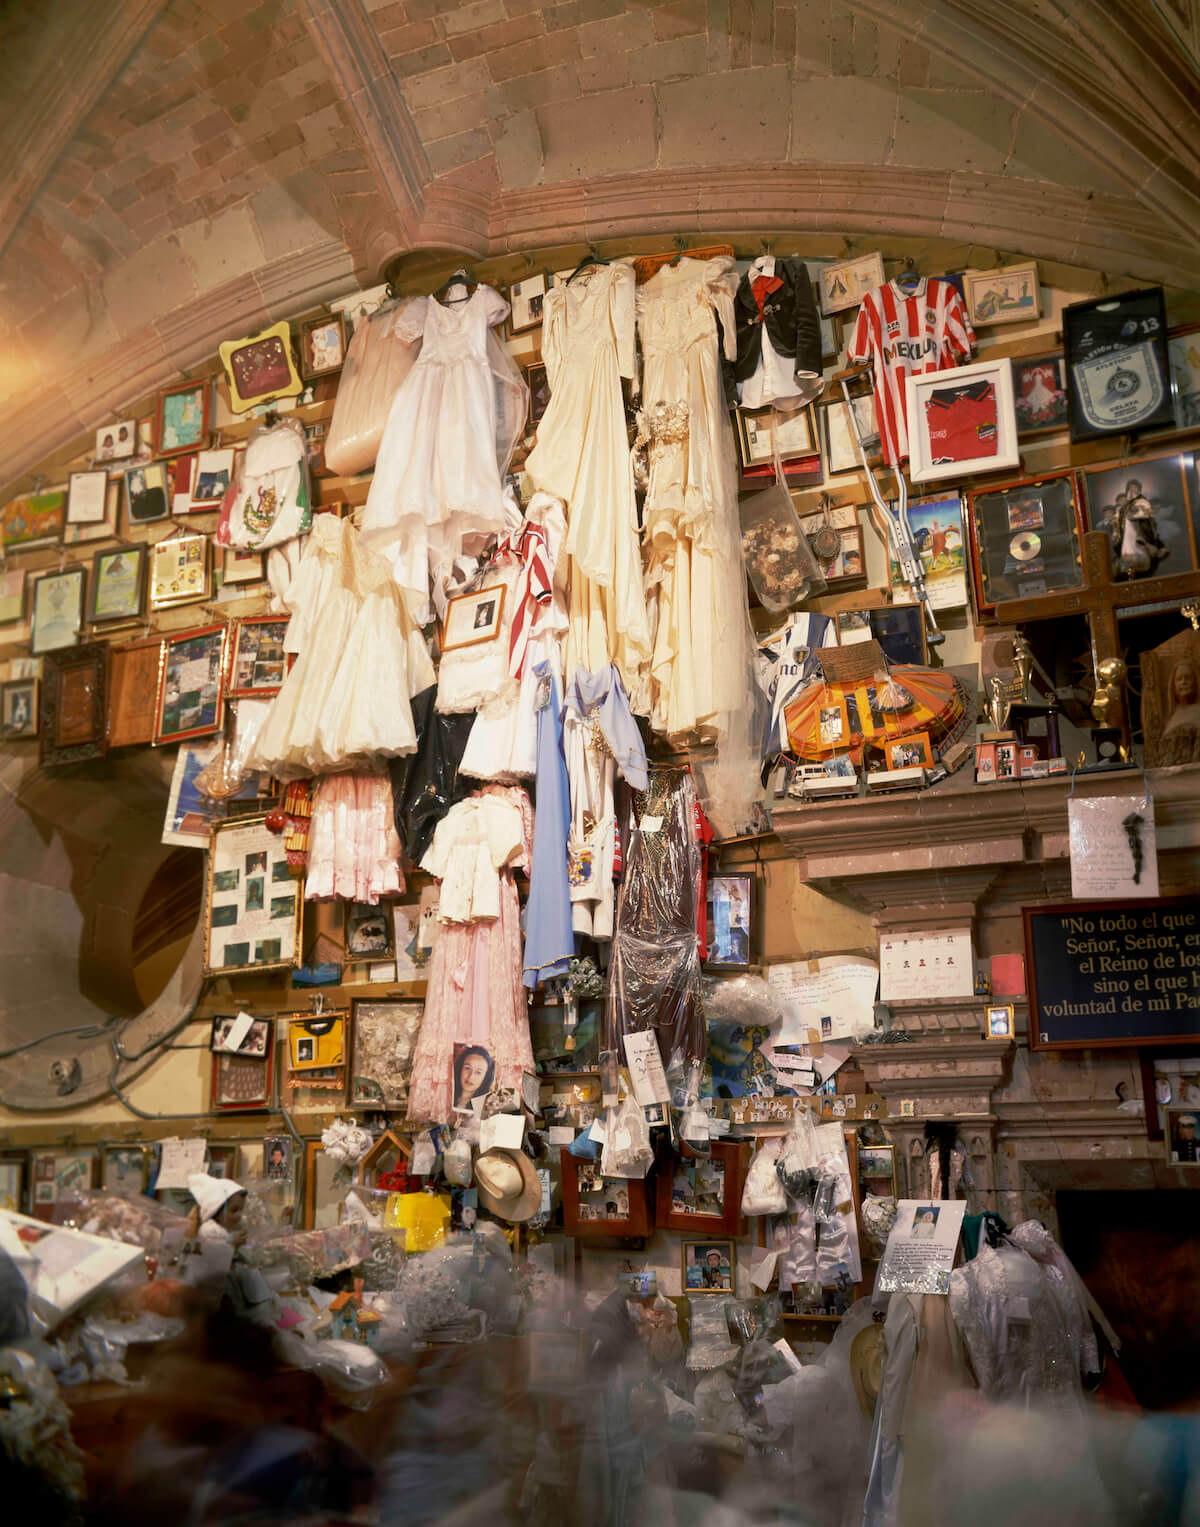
[(961, 422), (907, 335)]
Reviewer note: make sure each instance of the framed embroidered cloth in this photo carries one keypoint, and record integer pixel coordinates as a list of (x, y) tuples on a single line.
[(1118, 364), (384, 1038), (253, 903), (260, 368)]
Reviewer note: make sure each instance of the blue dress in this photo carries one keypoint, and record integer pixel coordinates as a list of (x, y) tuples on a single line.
[(549, 939)]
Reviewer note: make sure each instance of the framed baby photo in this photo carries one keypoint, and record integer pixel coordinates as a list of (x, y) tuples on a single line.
[(74, 708), (18, 708), (474, 618), (182, 423), (703, 1194), (731, 922), (179, 571), (124, 1169), (708, 1266), (1181, 1127), (257, 661), (118, 586), (912, 752), (322, 346), (260, 368), (191, 694), (253, 902), (369, 931), (999, 1022), (147, 493), (57, 610), (116, 442)]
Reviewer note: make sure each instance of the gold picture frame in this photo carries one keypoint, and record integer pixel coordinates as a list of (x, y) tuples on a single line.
[(260, 368), (180, 571), (999, 1022), (247, 924), (474, 618)]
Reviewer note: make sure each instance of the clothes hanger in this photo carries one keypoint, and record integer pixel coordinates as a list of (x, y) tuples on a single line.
[(679, 252), (461, 277), (909, 278), (593, 257)]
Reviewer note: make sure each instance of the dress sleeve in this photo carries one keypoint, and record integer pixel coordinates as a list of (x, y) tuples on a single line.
[(503, 827), (494, 306), (624, 323), (859, 348), (721, 287), (409, 322), (434, 862), (554, 318)]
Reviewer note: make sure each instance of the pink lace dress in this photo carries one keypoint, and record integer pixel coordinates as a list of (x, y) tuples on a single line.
[(475, 996), (353, 847)]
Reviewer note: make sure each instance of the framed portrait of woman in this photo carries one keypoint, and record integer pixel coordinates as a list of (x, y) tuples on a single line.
[(473, 1075)]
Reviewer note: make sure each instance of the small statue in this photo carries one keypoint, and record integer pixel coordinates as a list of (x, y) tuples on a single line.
[(1022, 662), (999, 702), (1133, 825)]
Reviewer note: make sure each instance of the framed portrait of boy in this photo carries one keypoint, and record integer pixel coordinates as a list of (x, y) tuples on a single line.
[(1182, 1131), (708, 1267)]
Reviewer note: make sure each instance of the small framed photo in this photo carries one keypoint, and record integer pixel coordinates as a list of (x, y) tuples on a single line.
[(210, 479), (322, 346), (961, 421), (117, 442), (369, 932), (1181, 1127), (255, 1042), (118, 586), (539, 391), (86, 498), (730, 921), (179, 571), (124, 1169), (74, 708), (260, 368), (844, 283), (526, 298), (257, 662), (147, 493), (18, 709), (1040, 394), (242, 566), (191, 693), (1010, 295), (182, 422), (985, 763), (12, 595), (911, 752), (708, 1267), (57, 610), (999, 1023), (277, 1158), (474, 618)]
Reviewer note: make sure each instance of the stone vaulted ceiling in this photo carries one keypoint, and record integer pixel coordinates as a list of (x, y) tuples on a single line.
[(182, 171)]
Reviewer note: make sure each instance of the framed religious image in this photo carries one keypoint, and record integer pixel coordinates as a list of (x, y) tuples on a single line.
[(844, 283), (12, 595), (473, 618), (841, 448), (260, 368), (132, 692), (14, 1173), (74, 714), (255, 1041), (961, 421), (1040, 394), (1181, 1126), (223, 1161), (760, 431), (1149, 508), (730, 922), (539, 391), (118, 585), (708, 1267), (1118, 365), (191, 695), (36, 519), (703, 1194), (322, 346), (1010, 295), (124, 1169), (103, 529), (383, 1041), (116, 442), (211, 479), (999, 1022), (257, 661), (1025, 540), (18, 708), (368, 931), (252, 902), (526, 298), (57, 610), (243, 1083), (179, 571), (182, 417), (147, 493), (912, 751), (242, 566), (1183, 349), (86, 495), (599, 1208)]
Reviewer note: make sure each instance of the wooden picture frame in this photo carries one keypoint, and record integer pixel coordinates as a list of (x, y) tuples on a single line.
[(1040, 394), (1008, 295), (124, 1169), (877, 1163), (260, 368), (147, 493), (53, 1174), (247, 925), (259, 1037), (731, 917), (999, 1022), (383, 1041), (19, 709), (191, 685), (258, 664), (1025, 541), (1183, 350), (708, 1267), (1181, 1129), (387, 1154), (243, 1083), (759, 429), (1167, 488), (322, 1200), (474, 618), (57, 610), (117, 588), (182, 417), (370, 934), (586, 1204), (931, 461), (180, 571), (323, 344), (539, 391), (671, 1212), (74, 710), (224, 1160), (133, 693)]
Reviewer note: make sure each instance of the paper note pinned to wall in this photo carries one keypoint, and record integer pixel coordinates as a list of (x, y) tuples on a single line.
[(179, 1159), (646, 1074), (835, 999), (938, 964), (1114, 851)]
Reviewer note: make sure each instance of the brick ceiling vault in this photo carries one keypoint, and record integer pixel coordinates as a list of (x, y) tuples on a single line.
[(185, 171)]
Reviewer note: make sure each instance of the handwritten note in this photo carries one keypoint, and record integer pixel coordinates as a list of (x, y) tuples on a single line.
[(834, 997), (1114, 850), (646, 1074)]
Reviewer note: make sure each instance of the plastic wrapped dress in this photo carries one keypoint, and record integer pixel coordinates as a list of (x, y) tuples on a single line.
[(475, 994), (353, 845), (582, 457), (425, 784), (654, 976), (345, 704), (269, 504), (438, 486)]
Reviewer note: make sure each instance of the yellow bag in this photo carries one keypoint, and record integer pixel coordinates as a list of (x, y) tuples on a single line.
[(422, 1216)]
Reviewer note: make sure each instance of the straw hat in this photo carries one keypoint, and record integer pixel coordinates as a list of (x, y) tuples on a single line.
[(508, 1184), (866, 1366)]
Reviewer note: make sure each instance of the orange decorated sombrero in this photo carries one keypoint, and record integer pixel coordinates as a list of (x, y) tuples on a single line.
[(840, 716)]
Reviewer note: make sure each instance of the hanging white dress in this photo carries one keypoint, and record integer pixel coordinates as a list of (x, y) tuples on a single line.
[(582, 457), (438, 484)]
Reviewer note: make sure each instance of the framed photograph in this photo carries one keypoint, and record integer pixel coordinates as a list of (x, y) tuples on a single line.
[(999, 1023), (117, 442), (1009, 295), (12, 595), (596, 1207), (255, 1043), (243, 1083), (36, 519), (474, 618), (1025, 540), (223, 1161), (876, 1167), (539, 391), (526, 298), (1183, 349), (1007, 761), (242, 566), (1040, 394), (14, 1180), (179, 571), (322, 346), (57, 610), (132, 692), (845, 283), (703, 1194), (758, 431), (211, 478), (909, 752), (277, 1158), (257, 662), (369, 931), (86, 495), (182, 423), (118, 586), (1118, 364), (260, 368), (1182, 1131), (841, 449), (191, 694), (253, 904), (961, 421), (708, 1267), (147, 493), (57, 1175), (103, 529), (19, 708), (383, 1042), (730, 922), (73, 723), (124, 1169), (1149, 508)]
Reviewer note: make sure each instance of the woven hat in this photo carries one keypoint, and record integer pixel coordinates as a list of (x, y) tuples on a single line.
[(866, 1366), (508, 1184)]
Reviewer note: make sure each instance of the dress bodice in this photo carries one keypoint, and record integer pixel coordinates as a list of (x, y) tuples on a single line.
[(680, 305), (453, 331)]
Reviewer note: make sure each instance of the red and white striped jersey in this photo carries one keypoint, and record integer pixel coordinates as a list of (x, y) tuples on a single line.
[(907, 336)]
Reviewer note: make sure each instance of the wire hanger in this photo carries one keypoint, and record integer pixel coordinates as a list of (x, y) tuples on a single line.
[(909, 278), (461, 277), (679, 252), (593, 257)]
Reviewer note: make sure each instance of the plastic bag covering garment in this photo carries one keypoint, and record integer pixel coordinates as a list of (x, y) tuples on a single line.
[(1068, 1289), (272, 503), (627, 1150), (654, 980), (763, 1193), (425, 784), (377, 361)]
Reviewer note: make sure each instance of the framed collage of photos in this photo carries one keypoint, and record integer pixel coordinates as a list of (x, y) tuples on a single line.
[(1025, 540), (191, 679), (599, 1207), (253, 902), (258, 664), (703, 1193)]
